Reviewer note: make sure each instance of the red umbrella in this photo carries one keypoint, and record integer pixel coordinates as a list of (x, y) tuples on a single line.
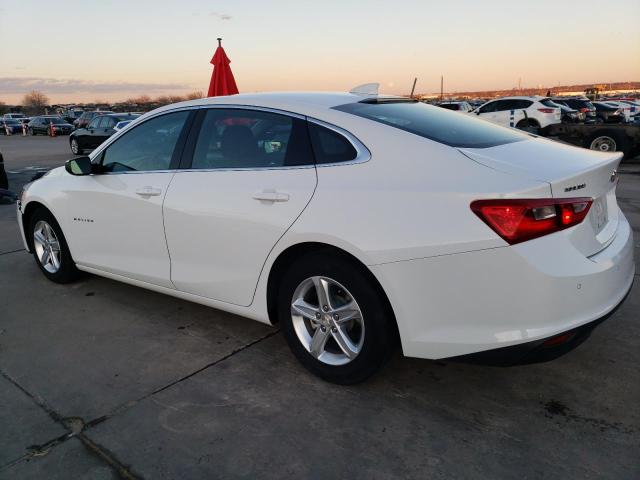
[(222, 81)]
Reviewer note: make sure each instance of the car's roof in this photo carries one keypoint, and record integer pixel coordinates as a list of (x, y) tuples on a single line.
[(306, 103), (522, 97)]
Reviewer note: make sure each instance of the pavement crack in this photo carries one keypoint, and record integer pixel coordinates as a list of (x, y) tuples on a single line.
[(108, 457), (74, 426), (133, 403), (12, 251)]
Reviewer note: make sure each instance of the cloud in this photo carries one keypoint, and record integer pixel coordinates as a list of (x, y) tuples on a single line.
[(20, 85), (221, 16)]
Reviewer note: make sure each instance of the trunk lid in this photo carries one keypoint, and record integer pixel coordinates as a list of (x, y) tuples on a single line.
[(571, 172)]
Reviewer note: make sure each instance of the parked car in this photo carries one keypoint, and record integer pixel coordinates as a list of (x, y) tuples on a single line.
[(86, 117), (456, 106), (626, 109), (121, 125), (4, 182), (11, 125), (569, 115), (583, 105), (42, 125), (606, 113), (14, 115), (348, 220), (538, 112), (72, 115), (98, 130)]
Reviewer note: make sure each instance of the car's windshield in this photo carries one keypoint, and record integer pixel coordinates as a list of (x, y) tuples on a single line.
[(438, 124)]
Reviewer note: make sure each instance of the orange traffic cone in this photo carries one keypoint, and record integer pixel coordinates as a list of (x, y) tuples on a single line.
[(52, 130)]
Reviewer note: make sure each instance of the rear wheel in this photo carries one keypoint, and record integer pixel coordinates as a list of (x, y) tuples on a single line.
[(608, 141), (334, 319), (50, 248), (75, 147)]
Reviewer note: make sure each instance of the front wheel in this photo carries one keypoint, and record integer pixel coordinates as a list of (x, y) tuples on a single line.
[(334, 319), (50, 248)]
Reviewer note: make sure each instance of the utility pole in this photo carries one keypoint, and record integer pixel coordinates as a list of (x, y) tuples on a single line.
[(441, 87), (413, 89)]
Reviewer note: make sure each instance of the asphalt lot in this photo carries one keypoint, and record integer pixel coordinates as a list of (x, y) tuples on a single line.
[(103, 380)]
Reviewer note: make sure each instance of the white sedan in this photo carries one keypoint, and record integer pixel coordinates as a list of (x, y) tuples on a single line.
[(351, 221)]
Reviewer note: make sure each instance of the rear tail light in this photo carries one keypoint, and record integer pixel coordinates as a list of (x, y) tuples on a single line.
[(518, 220), (584, 110), (546, 110)]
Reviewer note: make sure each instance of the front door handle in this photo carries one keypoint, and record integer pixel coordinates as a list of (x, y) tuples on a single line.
[(271, 196), (148, 191)]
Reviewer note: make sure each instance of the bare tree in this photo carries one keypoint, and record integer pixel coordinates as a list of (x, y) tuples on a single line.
[(194, 95), (141, 100), (34, 102)]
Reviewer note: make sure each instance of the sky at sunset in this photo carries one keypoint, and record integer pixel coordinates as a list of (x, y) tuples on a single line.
[(112, 49)]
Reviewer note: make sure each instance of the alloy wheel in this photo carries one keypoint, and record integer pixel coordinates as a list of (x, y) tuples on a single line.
[(327, 320), (47, 247), (603, 143)]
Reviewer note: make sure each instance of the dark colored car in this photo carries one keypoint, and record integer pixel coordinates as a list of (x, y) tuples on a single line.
[(41, 126), (4, 183), (71, 116), (86, 117), (569, 115), (607, 113), (98, 130), (582, 105), (9, 124)]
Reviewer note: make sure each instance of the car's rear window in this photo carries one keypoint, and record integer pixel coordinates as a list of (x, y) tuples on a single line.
[(438, 124)]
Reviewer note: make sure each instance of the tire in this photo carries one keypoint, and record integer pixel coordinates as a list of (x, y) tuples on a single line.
[(528, 122), (43, 226), (608, 140), (75, 147), (370, 330), (32, 132)]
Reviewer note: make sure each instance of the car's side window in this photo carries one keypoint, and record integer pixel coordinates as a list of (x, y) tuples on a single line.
[(502, 105), (489, 107), (329, 146), (94, 123), (242, 138), (523, 103), (147, 147)]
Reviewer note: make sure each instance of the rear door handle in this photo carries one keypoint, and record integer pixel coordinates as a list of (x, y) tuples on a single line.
[(149, 191), (271, 196)]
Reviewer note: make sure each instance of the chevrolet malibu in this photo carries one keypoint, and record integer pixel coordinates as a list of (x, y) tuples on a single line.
[(352, 222)]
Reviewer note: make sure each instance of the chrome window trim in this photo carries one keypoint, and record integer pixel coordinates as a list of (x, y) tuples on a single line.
[(252, 107), (363, 154)]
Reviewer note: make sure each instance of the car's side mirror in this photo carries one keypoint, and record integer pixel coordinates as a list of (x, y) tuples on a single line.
[(79, 166)]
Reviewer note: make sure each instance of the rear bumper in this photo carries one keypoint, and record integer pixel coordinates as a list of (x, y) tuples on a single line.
[(538, 351), (466, 303)]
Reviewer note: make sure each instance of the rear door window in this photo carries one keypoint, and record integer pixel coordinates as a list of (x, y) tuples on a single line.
[(251, 139)]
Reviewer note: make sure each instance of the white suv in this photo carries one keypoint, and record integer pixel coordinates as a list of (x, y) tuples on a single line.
[(520, 112)]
